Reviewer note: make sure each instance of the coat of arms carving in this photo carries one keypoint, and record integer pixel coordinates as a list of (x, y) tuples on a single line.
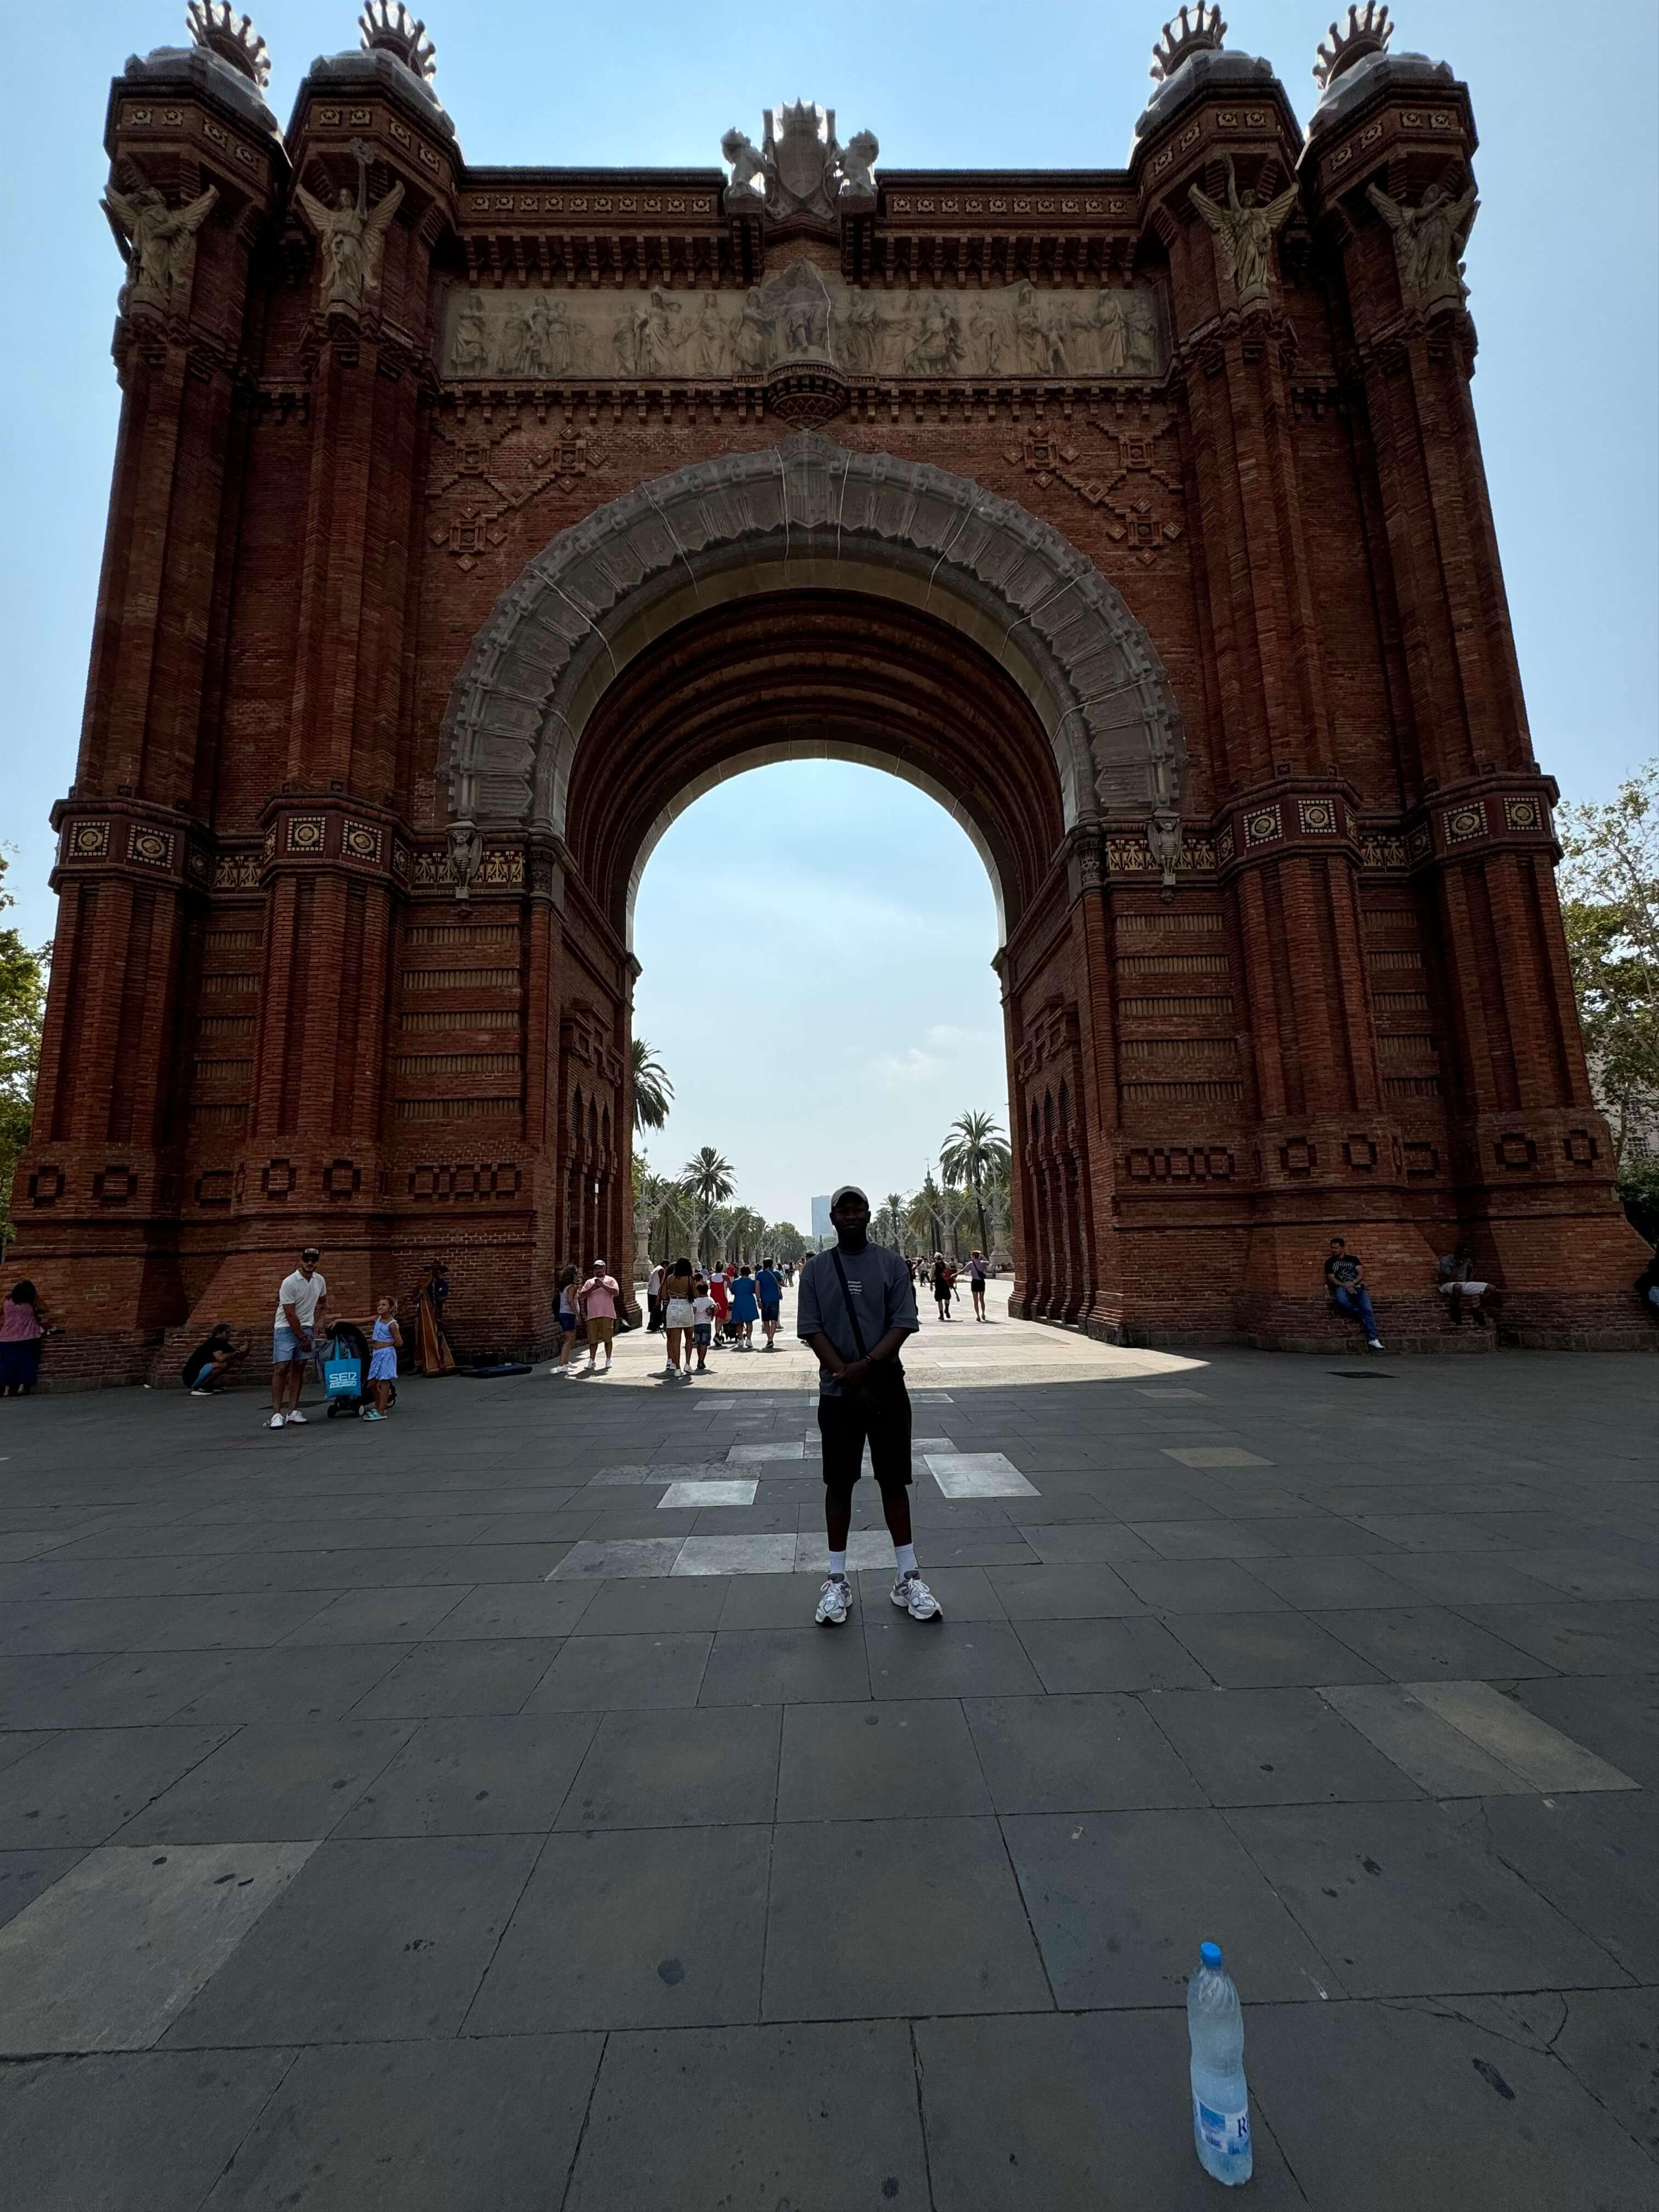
[(799, 169)]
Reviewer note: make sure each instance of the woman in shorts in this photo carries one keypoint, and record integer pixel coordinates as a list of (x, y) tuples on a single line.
[(568, 1319), (679, 1320)]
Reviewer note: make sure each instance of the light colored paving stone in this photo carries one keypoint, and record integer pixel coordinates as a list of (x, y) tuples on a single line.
[(978, 1474), (1214, 1456), (1541, 1756), (866, 1549), (737, 1491), (620, 1559), (1429, 1750), (753, 1455), (735, 1555), (113, 1951)]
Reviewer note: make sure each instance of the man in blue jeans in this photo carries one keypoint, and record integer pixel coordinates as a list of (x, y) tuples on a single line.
[(1345, 1279)]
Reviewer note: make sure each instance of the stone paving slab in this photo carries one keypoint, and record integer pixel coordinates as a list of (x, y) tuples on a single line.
[(617, 1882)]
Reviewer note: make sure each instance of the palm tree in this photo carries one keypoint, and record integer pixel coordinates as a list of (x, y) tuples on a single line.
[(653, 1091), (975, 1152), (889, 1222), (709, 1178)]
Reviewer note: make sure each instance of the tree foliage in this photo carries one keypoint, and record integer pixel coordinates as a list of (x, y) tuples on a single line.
[(22, 1012), (1610, 905), (653, 1094)]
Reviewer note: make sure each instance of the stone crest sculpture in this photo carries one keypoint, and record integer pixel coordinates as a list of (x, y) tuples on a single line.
[(158, 243), (800, 169), (1204, 34), (1244, 232), (1367, 33), (1428, 241), (352, 233), (213, 26)]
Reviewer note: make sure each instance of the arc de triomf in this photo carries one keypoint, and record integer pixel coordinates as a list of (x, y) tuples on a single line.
[(467, 522)]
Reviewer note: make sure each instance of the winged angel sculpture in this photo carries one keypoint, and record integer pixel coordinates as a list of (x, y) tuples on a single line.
[(1244, 231), (158, 242), (1427, 241), (352, 233)]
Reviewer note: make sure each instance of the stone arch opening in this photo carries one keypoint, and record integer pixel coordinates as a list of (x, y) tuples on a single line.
[(807, 599)]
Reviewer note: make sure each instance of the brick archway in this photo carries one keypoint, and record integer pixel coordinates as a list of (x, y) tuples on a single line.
[(811, 599)]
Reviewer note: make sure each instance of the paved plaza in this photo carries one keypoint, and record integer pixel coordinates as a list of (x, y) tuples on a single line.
[(463, 1814)]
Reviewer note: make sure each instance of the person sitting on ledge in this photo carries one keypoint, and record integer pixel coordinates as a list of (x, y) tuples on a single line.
[(208, 1369), (1460, 1286), (1345, 1279)]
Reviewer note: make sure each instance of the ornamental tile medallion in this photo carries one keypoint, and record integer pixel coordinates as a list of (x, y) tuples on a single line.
[(1522, 814), (152, 848), (1318, 816), (87, 841), (361, 840), (1465, 822), (1418, 843), (305, 834), (1262, 825)]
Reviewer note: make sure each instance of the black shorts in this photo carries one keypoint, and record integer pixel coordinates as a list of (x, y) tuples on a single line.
[(847, 1425), (768, 1312)]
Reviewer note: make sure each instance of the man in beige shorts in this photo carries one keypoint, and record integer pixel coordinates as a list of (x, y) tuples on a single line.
[(599, 1302)]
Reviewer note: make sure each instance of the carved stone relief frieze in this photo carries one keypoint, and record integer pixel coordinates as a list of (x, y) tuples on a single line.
[(803, 314)]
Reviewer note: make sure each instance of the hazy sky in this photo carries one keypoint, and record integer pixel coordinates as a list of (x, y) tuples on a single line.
[(1566, 295)]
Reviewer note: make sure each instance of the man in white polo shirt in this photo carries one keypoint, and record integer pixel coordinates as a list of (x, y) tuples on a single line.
[(302, 1297)]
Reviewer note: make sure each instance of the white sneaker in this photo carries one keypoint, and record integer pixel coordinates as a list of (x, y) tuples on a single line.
[(275, 1422), (296, 1419), (201, 1394), (918, 1601), (832, 1603), (1375, 1343)]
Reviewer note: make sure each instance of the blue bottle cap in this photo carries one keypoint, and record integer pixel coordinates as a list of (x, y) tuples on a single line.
[(1211, 1953)]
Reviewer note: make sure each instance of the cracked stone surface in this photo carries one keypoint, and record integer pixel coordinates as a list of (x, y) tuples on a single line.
[(431, 1818)]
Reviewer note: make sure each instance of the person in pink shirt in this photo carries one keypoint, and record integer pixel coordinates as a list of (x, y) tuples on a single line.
[(599, 1297), (20, 1332)]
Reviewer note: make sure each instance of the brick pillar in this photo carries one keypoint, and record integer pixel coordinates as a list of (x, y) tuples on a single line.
[(1531, 1159)]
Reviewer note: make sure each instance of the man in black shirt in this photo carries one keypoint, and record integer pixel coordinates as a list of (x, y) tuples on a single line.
[(857, 1306), (1345, 1279), (208, 1369)]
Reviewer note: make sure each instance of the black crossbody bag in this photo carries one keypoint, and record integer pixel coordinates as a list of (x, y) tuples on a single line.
[(885, 1377)]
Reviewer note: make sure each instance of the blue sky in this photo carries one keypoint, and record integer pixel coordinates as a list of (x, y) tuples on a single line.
[(1566, 295)]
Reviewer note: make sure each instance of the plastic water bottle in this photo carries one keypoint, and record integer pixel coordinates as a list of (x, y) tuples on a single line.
[(1221, 2103)]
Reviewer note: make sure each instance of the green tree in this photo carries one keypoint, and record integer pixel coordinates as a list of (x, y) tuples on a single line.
[(709, 1178), (975, 1154), (22, 1011), (787, 1243), (653, 1093), (1610, 905)]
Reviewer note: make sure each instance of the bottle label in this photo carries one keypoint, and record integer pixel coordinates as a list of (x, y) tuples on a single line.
[(1229, 2133)]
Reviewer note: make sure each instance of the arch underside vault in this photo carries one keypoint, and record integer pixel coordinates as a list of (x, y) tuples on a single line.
[(806, 516)]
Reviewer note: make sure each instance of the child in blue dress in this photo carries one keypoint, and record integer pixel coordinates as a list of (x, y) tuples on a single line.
[(383, 1361)]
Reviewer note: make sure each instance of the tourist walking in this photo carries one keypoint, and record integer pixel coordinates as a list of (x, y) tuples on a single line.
[(207, 1370), (944, 1285), (976, 1273), (654, 1298), (857, 1306), (702, 1321), (387, 1341), (20, 1331), (722, 1297), (298, 1302), (746, 1308), (599, 1302), (768, 1289), (678, 1317), (1345, 1279), (566, 1315)]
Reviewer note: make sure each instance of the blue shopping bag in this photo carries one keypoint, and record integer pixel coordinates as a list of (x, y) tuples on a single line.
[(342, 1378)]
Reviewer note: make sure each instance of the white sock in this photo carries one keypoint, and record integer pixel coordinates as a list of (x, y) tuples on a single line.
[(838, 1565), (905, 1555)]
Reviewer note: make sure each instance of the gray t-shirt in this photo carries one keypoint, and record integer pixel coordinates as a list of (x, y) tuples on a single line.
[(882, 1295)]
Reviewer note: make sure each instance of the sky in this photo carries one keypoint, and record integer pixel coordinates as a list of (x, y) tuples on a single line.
[(1562, 265)]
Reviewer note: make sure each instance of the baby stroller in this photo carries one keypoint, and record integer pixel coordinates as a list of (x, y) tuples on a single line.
[(345, 1367)]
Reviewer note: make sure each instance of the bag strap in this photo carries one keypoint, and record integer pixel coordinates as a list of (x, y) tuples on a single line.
[(846, 1300)]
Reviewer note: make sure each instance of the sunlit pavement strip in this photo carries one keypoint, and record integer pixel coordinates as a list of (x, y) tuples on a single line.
[(707, 1493), (1467, 1739)]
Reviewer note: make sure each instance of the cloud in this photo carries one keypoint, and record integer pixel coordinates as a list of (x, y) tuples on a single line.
[(902, 1071)]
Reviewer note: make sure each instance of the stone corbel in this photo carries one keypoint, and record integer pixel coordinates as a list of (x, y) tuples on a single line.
[(465, 855)]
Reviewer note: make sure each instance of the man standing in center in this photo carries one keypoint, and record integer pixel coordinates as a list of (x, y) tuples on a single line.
[(857, 1305)]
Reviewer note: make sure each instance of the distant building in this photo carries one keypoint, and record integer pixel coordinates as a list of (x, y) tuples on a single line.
[(822, 1229)]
